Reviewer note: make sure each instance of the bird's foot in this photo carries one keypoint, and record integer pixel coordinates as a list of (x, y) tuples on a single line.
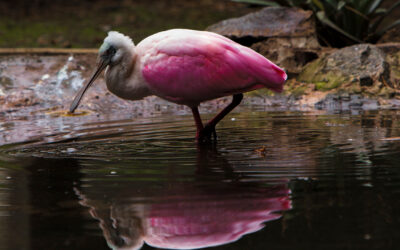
[(207, 134)]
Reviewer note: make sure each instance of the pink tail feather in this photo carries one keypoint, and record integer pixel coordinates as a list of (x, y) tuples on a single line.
[(266, 72)]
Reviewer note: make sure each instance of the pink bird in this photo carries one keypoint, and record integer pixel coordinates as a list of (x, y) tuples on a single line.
[(185, 67)]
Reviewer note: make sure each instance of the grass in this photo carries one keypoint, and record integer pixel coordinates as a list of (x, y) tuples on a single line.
[(85, 25)]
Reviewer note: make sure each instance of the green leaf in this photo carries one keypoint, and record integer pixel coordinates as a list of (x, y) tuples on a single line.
[(323, 19), (361, 5), (387, 27), (380, 11), (332, 3), (376, 24), (373, 6), (318, 4), (357, 12), (340, 5), (393, 7), (258, 2)]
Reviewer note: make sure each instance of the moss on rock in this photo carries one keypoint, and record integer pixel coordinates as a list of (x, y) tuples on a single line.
[(353, 68)]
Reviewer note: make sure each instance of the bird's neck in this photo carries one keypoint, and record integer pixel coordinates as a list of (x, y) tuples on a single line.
[(125, 79), (123, 69)]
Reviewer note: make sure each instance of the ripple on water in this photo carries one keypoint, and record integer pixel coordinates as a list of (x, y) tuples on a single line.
[(293, 144), (302, 175)]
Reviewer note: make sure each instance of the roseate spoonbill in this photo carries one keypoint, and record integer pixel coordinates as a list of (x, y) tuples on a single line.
[(185, 67)]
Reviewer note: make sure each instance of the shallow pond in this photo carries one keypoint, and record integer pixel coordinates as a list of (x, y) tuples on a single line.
[(274, 180)]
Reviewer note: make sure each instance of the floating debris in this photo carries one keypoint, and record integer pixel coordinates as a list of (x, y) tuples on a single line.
[(262, 151), (66, 113)]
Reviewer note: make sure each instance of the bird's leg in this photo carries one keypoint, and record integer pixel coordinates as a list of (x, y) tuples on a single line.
[(205, 133), (197, 119), (210, 126)]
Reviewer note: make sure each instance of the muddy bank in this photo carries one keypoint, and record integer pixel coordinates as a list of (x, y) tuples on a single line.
[(38, 82)]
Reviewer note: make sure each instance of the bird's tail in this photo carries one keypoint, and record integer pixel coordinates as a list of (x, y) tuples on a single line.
[(265, 71)]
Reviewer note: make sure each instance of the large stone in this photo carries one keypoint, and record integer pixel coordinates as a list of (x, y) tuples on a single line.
[(286, 36), (290, 53), (268, 22), (391, 36), (392, 52), (358, 68)]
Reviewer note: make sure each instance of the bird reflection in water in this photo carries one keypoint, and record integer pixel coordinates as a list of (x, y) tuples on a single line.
[(185, 215)]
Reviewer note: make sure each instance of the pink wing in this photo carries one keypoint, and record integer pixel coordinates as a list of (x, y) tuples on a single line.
[(188, 67)]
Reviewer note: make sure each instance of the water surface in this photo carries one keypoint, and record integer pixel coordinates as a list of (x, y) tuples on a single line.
[(274, 180)]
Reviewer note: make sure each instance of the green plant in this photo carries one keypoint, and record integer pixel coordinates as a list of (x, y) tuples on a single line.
[(349, 21)]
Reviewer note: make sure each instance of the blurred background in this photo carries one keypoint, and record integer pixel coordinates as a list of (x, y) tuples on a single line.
[(84, 23)]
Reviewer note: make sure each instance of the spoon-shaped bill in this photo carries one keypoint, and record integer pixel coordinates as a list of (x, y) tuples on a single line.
[(82, 91)]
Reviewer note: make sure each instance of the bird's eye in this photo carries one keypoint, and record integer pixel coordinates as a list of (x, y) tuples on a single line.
[(109, 53), (111, 50)]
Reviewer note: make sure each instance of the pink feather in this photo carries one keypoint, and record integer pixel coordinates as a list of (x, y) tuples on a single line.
[(190, 67)]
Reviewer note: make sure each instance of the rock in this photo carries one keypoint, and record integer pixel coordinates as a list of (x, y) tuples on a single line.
[(391, 36), (358, 68), (268, 22), (345, 101), (389, 48), (392, 52), (290, 53), (286, 36)]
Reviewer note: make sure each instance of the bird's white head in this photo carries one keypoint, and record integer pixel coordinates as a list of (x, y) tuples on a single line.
[(115, 47)]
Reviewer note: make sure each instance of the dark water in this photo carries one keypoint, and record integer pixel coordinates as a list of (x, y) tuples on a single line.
[(274, 180)]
